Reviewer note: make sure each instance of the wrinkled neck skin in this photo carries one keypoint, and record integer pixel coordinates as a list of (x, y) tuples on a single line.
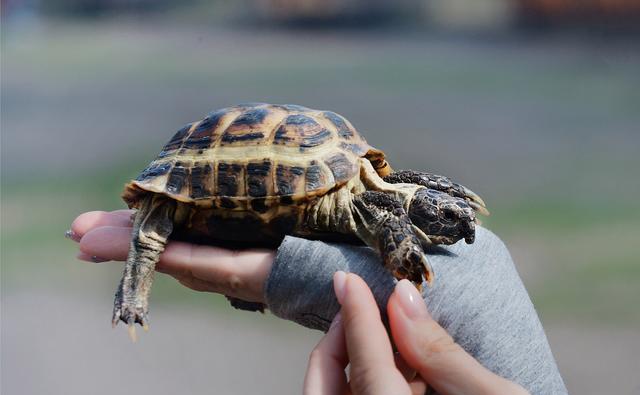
[(370, 179), (334, 212)]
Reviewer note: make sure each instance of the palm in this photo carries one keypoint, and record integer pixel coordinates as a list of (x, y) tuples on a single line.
[(105, 236)]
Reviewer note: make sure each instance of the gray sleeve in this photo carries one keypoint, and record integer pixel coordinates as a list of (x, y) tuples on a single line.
[(477, 297)]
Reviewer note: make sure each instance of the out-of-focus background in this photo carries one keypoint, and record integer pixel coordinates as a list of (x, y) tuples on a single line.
[(534, 104)]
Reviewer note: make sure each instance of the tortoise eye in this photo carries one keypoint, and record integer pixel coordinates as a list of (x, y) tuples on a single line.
[(449, 215)]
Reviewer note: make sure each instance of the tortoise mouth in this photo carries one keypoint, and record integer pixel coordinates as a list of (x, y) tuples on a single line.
[(469, 232)]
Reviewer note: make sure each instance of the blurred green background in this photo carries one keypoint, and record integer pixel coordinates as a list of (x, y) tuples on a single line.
[(536, 109)]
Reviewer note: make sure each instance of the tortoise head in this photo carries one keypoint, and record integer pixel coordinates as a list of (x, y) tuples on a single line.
[(442, 217)]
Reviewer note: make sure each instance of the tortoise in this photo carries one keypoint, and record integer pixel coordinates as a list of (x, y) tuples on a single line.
[(252, 173)]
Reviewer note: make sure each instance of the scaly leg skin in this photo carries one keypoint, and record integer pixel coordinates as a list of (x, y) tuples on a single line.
[(151, 229), (439, 183), (385, 226)]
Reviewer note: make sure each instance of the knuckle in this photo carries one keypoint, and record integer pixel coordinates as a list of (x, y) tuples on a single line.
[(435, 342), (376, 378), (353, 318), (364, 378), (233, 283)]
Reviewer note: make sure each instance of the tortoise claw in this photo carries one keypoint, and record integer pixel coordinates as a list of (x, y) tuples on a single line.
[(130, 314), (132, 333), (429, 274), (481, 209), (474, 197), (116, 318)]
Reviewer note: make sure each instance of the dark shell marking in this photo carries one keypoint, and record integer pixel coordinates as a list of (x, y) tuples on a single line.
[(230, 179), (178, 138), (301, 131), (314, 177), (273, 154), (154, 170), (205, 132), (201, 181), (340, 123), (177, 178), (246, 127), (289, 180), (341, 167), (257, 178)]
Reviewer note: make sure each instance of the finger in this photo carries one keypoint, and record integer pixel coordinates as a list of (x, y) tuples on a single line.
[(90, 258), (107, 242), (372, 365), (240, 274), (407, 371), (325, 372), (94, 219), (193, 283), (429, 349), (416, 383), (418, 386)]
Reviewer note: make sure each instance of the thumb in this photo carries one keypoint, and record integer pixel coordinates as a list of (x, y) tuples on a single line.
[(432, 352)]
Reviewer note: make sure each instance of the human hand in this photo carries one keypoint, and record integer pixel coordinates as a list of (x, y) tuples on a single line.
[(358, 337), (106, 236)]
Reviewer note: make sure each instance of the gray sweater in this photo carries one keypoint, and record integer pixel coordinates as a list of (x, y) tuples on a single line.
[(477, 297)]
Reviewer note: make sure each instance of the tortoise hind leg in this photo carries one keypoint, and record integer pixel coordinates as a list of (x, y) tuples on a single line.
[(151, 229), (439, 183), (385, 226)]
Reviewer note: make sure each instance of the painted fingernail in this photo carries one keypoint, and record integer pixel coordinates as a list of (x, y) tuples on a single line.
[(339, 281), (72, 235), (411, 301), (90, 258)]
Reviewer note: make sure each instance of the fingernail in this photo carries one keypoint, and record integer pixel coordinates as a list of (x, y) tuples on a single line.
[(339, 281), (411, 301), (90, 258), (72, 235)]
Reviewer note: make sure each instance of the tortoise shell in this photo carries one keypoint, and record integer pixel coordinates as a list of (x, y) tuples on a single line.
[(254, 156)]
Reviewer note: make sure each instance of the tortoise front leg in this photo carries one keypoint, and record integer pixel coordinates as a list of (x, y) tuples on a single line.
[(439, 183), (385, 226), (151, 229)]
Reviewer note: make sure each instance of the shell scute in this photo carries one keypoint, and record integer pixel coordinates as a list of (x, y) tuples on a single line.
[(202, 181), (230, 179), (302, 131), (341, 124), (178, 178), (154, 170), (289, 180), (341, 167), (259, 181), (317, 178), (205, 133), (178, 138)]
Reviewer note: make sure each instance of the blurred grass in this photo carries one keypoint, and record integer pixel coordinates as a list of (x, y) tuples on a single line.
[(36, 255), (386, 70)]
